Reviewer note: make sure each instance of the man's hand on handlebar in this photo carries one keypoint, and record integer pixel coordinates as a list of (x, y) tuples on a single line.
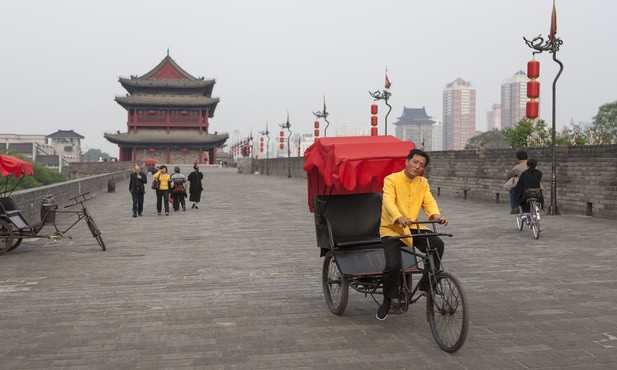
[(439, 218), (405, 222)]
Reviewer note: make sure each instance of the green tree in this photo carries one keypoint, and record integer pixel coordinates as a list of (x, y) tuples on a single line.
[(93, 155), (493, 139), (527, 133), (604, 124)]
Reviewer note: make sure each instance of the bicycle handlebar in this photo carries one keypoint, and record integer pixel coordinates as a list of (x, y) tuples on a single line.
[(80, 195), (79, 201), (422, 235)]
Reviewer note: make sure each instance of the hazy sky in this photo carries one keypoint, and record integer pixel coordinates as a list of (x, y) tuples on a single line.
[(61, 59)]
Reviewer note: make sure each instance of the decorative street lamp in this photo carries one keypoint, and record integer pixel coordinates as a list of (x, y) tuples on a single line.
[(266, 133), (324, 115), (383, 95), (539, 45), (287, 126)]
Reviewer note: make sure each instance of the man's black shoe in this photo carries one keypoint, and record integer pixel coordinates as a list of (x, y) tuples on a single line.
[(134, 214), (382, 311)]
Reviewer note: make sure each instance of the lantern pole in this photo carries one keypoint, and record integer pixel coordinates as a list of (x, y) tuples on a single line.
[(383, 95), (266, 133), (287, 126), (552, 46), (323, 115)]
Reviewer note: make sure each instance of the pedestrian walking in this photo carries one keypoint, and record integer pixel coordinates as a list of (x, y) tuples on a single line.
[(195, 186), (178, 189), (162, 191), (137, 189)]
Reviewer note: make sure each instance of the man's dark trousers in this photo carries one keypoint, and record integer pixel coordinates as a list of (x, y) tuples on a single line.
[(138, 202), (392, 270)]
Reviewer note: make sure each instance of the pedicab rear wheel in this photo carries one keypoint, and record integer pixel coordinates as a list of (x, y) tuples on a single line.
[(6, 237), (448, 313), (335, 285)]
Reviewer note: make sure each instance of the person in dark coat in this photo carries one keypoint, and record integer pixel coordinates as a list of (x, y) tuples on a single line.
[(529, 185), (137, 189), (195, 186), (178, 189)]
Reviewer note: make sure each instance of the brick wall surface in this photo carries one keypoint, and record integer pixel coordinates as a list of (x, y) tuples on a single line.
[(586, 175), (29, 201)]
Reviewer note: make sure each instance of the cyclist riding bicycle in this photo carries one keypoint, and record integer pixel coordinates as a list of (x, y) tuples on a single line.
[(405, 193), (529, 185)]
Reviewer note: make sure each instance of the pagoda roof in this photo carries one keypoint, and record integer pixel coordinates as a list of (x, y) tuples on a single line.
[(168, 69), (176, 136), (162, 83), (414, 115), (64, 134), (166, 100)]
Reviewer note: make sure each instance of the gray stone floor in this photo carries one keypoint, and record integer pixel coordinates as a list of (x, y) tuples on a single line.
[(237, 284)]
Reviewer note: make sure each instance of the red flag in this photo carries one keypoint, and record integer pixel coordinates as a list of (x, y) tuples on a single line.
[(553, 31), (388, 83)]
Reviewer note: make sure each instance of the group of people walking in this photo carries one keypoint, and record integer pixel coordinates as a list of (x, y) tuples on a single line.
[(172, 188)]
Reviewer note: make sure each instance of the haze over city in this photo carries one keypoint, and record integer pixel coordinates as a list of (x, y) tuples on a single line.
[(62, 59)]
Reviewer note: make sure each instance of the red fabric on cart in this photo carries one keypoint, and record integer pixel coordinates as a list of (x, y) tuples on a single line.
[(15, 166), (353, 164)]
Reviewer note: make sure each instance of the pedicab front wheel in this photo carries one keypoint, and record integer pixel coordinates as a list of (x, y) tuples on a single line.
[(448, 313), (335, 285)]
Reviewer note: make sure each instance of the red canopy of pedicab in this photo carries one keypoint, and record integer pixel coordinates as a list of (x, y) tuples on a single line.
[(149, 161), (10, 165), (352, 164)]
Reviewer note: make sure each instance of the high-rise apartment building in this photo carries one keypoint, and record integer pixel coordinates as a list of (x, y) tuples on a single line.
[(459, 114), (513, 99), (493, 118)]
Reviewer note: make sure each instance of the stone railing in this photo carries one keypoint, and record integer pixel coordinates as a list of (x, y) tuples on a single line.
[(29, 201), (586, 175)]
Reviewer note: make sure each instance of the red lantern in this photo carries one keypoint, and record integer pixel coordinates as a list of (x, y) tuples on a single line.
[(533, 69), (532, 109), (374, 131), (533, 89), (373, 108), (184, 150), (282, 139), (373, 121), (261, 147), (316, 124), (281, 146), (316, 133), (282, 133)]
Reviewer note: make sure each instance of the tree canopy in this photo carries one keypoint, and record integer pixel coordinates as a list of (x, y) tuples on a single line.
[(604, 124)]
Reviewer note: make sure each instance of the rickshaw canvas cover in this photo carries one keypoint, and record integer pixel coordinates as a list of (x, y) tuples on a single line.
[(10, 165), (352, 164)]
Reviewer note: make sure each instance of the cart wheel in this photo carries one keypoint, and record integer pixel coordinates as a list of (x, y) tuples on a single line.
[(448, 313), (96, 233), (16, 241), (335, 285), (519, 221), (535, 229), (6, 237)]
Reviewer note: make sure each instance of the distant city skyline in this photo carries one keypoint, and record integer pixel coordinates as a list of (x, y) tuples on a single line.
[(271, 57)]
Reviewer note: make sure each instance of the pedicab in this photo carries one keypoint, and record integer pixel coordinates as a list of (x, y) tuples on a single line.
[(13, 225), (345, 184)]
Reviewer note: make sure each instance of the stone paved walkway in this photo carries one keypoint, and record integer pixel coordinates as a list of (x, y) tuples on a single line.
[(237, 284)]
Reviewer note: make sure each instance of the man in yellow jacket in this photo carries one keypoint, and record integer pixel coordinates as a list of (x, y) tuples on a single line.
[(405, 193)]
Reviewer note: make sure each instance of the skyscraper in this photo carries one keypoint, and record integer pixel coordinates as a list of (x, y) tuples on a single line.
[(459, 114), (513, 99), (493, 118)]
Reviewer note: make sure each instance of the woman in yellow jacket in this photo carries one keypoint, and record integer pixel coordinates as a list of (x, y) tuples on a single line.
[(162, 193)]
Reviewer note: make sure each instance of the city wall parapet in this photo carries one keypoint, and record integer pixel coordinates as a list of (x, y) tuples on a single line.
[(586, 175)]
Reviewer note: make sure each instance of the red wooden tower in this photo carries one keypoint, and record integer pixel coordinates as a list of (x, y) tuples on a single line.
[(168, 117)]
